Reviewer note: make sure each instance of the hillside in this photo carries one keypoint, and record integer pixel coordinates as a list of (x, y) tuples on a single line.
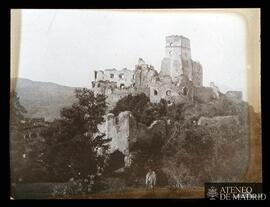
[(203, 141), (43, 99)]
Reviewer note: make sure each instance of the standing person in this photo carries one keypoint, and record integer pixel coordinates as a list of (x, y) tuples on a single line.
[(153, 180), (147, 179), (150, 180)]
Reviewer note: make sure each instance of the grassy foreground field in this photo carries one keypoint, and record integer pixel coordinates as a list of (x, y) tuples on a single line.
[(197, 192), (44, 191)]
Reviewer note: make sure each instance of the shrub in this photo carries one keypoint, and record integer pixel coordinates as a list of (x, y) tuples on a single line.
[(142, 109), (77, 186)]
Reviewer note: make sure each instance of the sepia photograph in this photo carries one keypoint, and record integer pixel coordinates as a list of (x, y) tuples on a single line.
[(134, 103)]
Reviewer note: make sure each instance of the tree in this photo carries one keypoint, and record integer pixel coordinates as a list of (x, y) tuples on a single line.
[(73, 141), (17, 111), (17, 142), (142, 109), (187, 158)]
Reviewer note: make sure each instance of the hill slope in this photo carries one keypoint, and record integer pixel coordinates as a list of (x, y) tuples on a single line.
[(43, 99)]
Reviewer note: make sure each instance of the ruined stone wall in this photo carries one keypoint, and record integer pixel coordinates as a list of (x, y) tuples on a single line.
[(99, 75), (117, 128), (113, 90), (204, 94), (123, 78), (171, 67), (177, 46), (115, 94), (215, 89), (172, 92), (177, 60), (166, 65), (187, 67), (197, 74), (103, 87), (144, 75), (235, 96), (165, 85), (167, 91), (125, 131)]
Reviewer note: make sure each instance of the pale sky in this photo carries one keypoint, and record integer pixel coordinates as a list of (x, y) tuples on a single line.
[(66, 46)]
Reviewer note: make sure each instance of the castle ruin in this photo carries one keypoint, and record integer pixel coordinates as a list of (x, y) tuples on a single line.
[(180, 80)]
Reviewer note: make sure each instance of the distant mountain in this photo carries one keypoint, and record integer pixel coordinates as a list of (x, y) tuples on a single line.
[(43, 99)]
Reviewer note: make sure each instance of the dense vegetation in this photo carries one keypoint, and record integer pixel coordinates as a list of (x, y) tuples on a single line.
[(17, 142), (185, 156), (71, 141), (69, 147), (141, 107)]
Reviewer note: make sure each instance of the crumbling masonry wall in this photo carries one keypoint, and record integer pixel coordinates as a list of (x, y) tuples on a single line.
[(125, 131), (122, 78), (178, 61)]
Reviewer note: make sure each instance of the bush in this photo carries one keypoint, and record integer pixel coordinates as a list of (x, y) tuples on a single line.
[(142, 109), (77, 186)]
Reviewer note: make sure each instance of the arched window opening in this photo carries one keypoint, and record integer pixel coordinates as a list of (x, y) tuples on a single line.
[(111, 75), (109, 91), (122, 85), (184, 91), (168, 92), (155, 92), (98, 85), (121, 76)]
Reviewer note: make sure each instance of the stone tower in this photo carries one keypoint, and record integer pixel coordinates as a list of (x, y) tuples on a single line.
[(177, 60)]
